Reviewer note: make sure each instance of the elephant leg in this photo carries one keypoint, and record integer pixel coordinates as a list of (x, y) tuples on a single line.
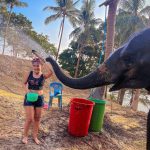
[(148, 131)]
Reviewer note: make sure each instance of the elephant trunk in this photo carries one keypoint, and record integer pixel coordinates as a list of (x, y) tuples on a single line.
[(97, 78)]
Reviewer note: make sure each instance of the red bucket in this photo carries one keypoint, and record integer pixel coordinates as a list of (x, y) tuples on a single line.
[(80, 116)]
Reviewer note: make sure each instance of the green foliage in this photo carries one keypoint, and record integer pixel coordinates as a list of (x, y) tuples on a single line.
[(17, 3), (43, 41), (5, 4), (146, 11), (64, 8), (68, 60), (20, 21), (129, 20), (86, 21), (90, 54), (2, 7)]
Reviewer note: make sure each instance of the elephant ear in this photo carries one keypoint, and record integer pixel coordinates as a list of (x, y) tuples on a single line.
[(135, 49), (137, 43)]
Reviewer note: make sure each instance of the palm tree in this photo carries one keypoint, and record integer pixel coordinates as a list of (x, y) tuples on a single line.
[(64, 9), (82, 32), (129, 18), (111, 20), (2, 11), (2, 7), (146, 11), (11, 4)]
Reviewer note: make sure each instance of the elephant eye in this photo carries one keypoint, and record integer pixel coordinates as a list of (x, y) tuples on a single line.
[(129, 61)]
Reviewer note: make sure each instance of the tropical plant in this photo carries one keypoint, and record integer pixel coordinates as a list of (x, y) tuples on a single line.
[(64, 9), (2, 7), (10, 5), (129, 19), (68, 59), (43, 41), (20, 26), (20, 21), (81, 33), (146, 11)]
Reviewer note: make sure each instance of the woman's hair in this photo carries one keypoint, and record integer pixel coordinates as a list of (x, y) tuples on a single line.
[(36, 60)]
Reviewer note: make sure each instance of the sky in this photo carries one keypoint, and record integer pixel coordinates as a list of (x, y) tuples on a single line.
[(34, 12)]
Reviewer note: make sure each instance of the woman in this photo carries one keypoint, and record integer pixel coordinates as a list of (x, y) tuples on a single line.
[(33, 83)]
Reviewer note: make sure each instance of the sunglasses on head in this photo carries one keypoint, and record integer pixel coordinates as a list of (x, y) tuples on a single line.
[(35, 65)]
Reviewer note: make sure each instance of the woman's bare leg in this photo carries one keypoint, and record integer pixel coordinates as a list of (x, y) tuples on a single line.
[(29, 110), (37, 117)]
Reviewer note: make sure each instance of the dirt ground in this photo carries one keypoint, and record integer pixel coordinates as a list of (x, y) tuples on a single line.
[(123, 128)]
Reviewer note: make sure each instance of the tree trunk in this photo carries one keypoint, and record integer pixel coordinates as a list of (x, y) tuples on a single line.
[(5, 34), (132, 96), (121, 96), (63, 21), (109, 38), (135, 99), (111, 27)]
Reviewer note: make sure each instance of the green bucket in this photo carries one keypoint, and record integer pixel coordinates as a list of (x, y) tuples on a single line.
[(32, 97), (97, 118)]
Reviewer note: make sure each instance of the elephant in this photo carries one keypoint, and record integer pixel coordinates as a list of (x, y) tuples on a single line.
[(126, 67)]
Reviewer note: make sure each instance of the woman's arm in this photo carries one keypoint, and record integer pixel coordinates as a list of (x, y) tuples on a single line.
[(48, 69), (25, 82)]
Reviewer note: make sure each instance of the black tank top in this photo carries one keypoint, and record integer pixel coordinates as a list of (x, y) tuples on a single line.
[(35, 83)]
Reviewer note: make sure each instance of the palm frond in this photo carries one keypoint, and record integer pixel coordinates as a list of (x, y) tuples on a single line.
[(91, 5), (75, 33), (74, 12), (132, 5), (64, 7), (73, 20), (51, 8), (74, 4), (126, 5), (95, 22), (52, 18), (145, 11), (20, 4), (88, 5), (69, 4), (61, 3)]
